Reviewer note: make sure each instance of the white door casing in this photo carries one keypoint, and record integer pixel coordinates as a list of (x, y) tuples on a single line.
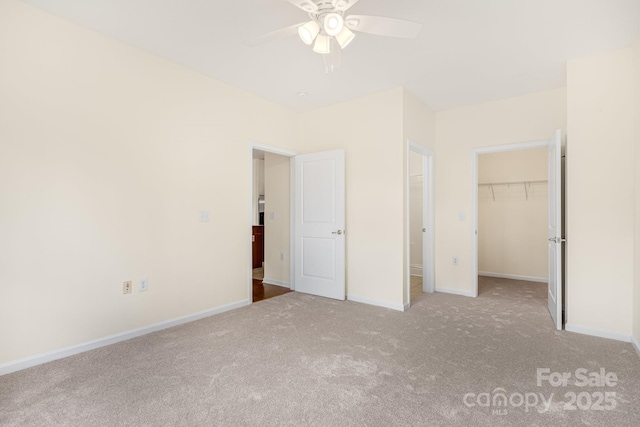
[(555, 290), (319, 230)]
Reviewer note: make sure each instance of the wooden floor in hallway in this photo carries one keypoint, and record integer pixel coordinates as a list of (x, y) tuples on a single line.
[(263, 291)]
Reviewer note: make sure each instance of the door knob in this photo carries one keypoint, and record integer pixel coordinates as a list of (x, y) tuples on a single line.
[(337, 232)]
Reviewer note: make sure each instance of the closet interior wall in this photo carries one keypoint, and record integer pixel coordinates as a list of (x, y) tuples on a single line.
[(512, 214)]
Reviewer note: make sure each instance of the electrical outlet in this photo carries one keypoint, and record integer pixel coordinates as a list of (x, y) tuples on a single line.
[(454, 261), (126, 287), (205, 216), (143, 285)]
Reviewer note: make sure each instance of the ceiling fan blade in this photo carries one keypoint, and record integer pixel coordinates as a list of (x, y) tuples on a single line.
[(306, 5), (273, 36), (343, 4), (383, 26)]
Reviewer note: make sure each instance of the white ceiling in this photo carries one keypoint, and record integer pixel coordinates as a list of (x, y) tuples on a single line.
[(469, 51)]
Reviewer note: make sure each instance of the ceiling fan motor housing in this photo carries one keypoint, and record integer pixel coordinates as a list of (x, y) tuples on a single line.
[(325, 7)]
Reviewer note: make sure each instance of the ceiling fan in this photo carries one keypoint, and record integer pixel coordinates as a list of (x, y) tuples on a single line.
[(330, 31)]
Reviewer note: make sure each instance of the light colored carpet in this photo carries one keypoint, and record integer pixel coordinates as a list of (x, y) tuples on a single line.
[(302, 360)]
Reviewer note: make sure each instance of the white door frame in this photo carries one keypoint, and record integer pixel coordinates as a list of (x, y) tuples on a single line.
[(428, 216), (474, 196), (282, 152)]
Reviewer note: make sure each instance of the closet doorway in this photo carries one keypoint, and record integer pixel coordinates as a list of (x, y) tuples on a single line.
[(420, 211), (512, 215), (517, 230)]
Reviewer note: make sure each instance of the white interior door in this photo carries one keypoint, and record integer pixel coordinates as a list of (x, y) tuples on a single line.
[(555, 229), (319, 224), (428, 270)]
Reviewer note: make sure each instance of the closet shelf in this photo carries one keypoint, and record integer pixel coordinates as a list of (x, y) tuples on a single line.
[(525, 184)]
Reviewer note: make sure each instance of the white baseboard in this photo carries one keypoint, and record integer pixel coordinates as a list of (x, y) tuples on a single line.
[(39, 359), (385, 304), (416, 270), (635, 344), (276, 283), (597, 332), (455, 292), (514, 277), (407, 306)]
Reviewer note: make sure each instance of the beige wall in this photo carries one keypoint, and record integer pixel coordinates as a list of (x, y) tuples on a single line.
[(512, 229), (277, 171), (418, 121), (526, 118), (369, 129), (636, 273), (108, 155), (600, 192), (373, 130)]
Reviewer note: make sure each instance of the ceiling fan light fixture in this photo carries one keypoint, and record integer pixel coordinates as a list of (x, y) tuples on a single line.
[(333, 24), (341, 4), (322, 44), (308, 32), (345, 37)]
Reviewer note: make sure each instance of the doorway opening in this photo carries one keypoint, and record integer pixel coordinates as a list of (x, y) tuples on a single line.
[(420, 230), (270, 223), (512, 215), (517, 229)]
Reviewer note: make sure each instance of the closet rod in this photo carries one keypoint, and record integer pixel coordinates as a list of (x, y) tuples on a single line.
[(526, 185)]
